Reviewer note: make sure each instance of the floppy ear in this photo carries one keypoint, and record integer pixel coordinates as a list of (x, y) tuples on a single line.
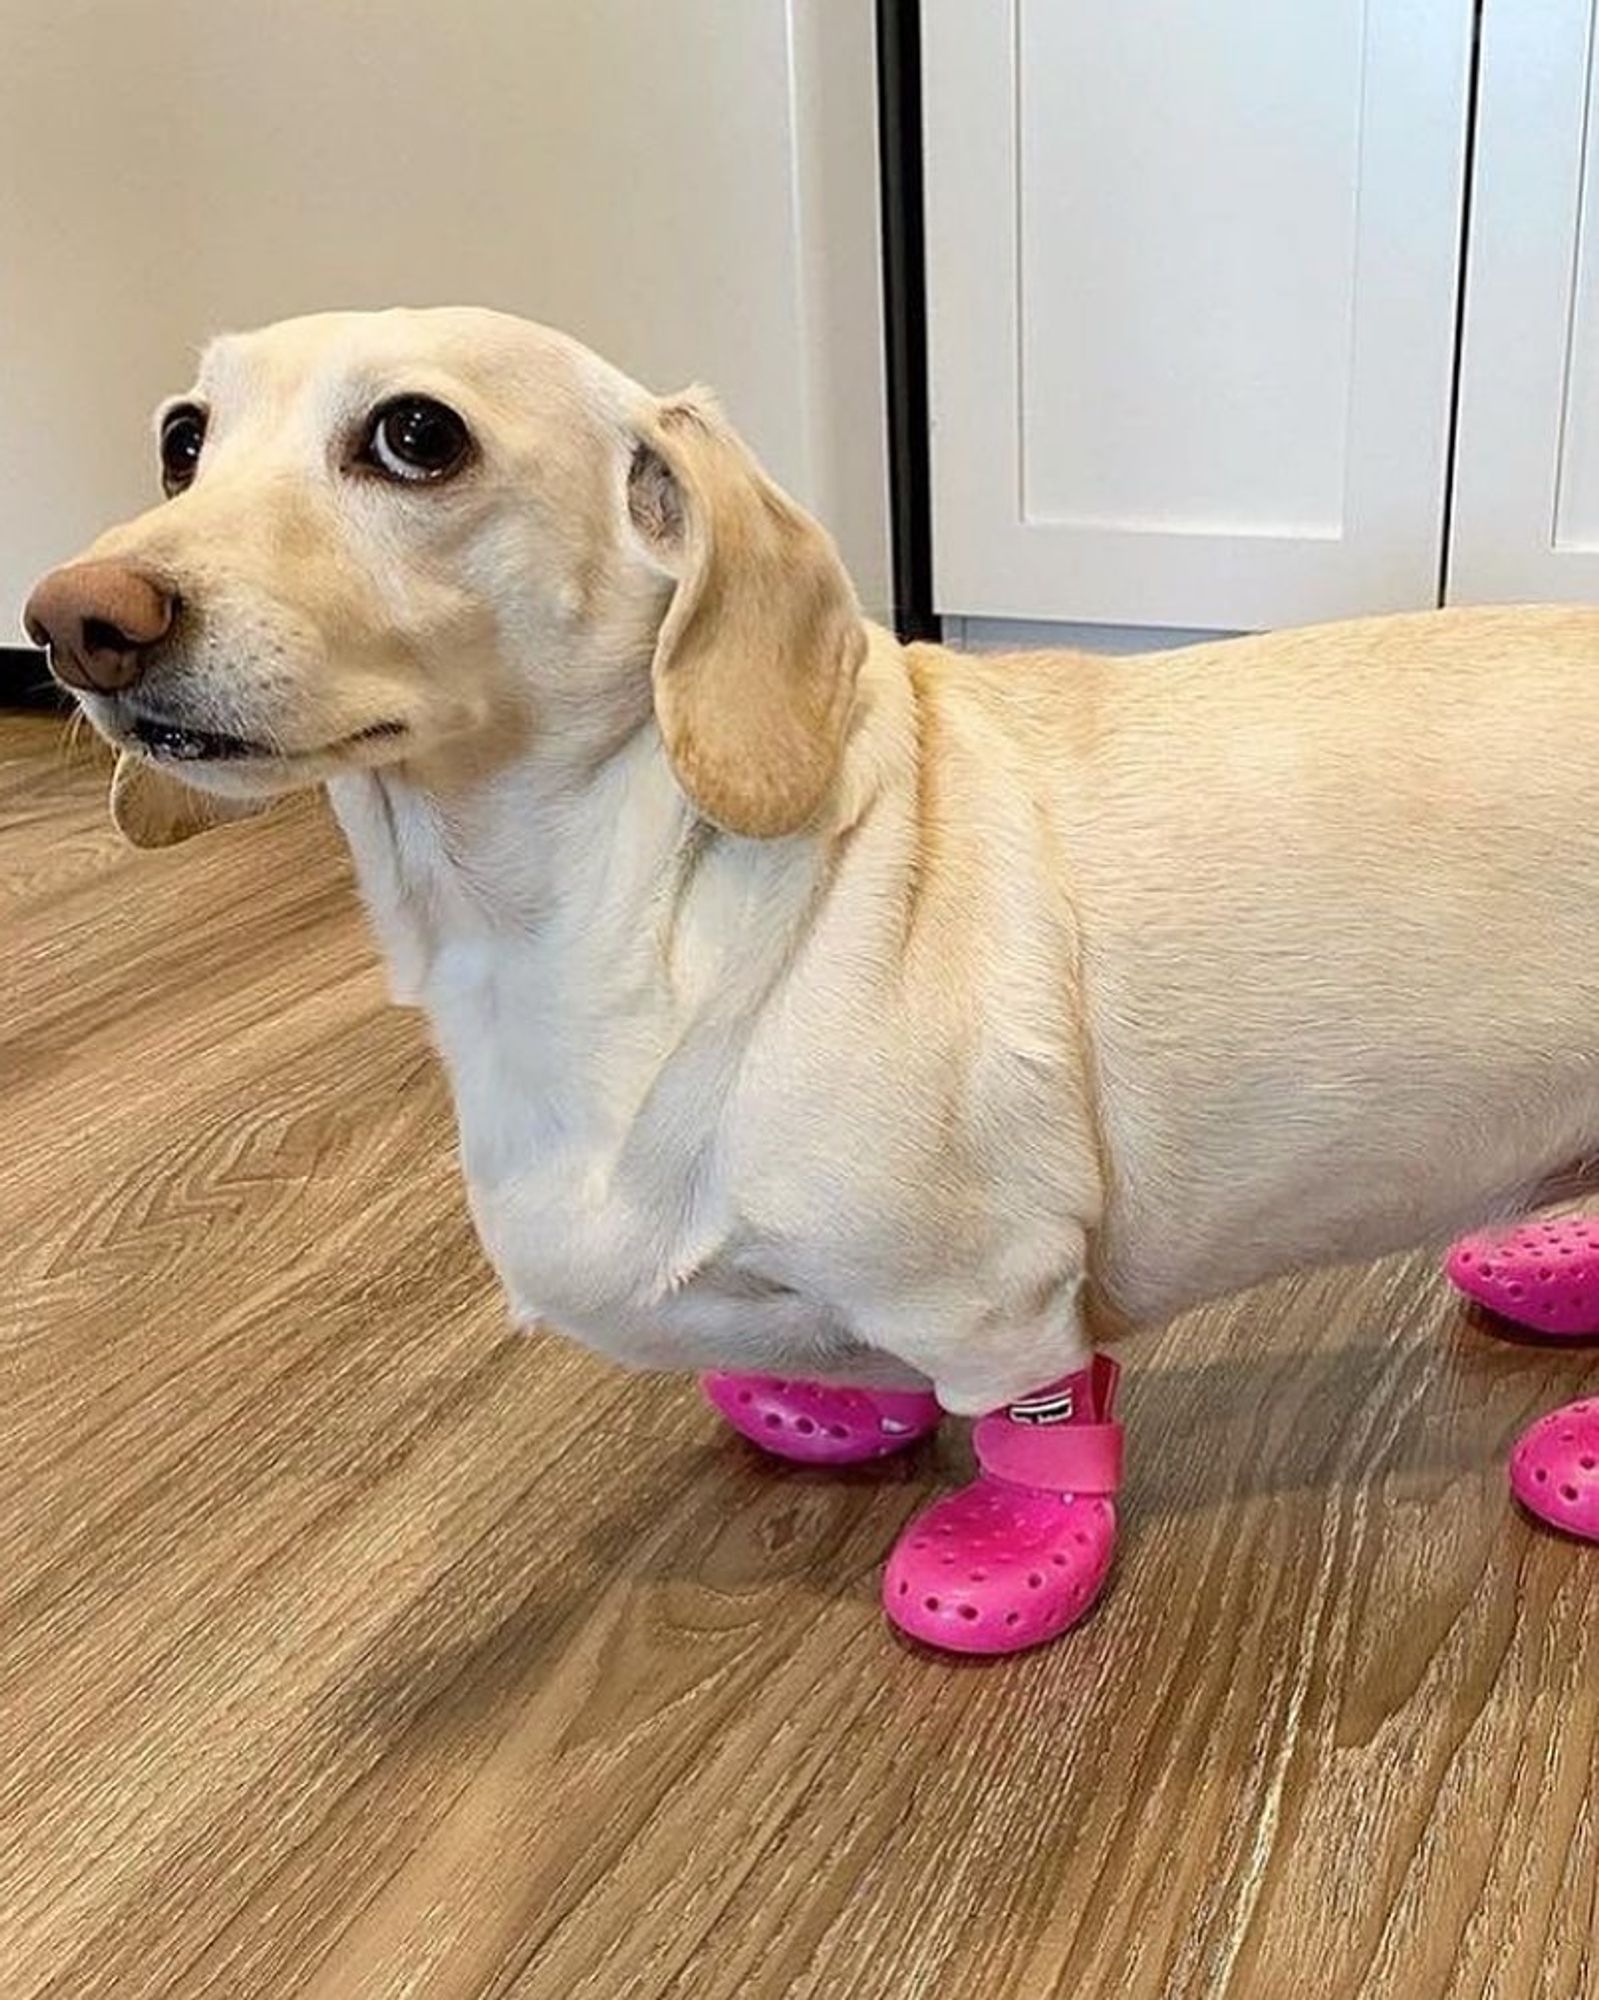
[(151, 809), (756, 658)]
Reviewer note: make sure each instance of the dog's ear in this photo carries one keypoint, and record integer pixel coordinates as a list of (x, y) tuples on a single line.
[(756, 658), (151, 809)]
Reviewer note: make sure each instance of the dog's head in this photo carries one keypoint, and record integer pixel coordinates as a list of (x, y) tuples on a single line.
[(426, 537)]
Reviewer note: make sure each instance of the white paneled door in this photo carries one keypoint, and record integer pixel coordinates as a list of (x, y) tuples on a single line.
[(1192, 286), (1525, 519)]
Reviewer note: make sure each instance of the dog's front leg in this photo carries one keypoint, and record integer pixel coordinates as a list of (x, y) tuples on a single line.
[(1022, 1553), (983, 1352)]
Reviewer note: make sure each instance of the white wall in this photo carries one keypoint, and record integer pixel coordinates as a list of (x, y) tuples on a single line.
[(691, 188)]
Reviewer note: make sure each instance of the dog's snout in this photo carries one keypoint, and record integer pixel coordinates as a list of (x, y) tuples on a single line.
[(99, 620)]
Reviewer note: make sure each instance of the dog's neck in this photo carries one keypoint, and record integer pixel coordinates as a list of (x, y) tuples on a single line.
[(445, 858), (535, 872), (579, 961), (589, 907), (454, 850)]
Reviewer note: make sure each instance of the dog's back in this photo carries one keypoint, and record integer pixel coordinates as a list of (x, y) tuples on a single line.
[(1336, 892)]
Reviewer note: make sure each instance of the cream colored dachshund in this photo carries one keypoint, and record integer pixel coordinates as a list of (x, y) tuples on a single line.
[(868, 1025)]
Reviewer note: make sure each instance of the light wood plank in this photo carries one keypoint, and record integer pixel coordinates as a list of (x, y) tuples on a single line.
[(352, 1646)]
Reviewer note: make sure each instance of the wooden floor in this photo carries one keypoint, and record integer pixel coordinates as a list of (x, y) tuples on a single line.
[(351, 1646)]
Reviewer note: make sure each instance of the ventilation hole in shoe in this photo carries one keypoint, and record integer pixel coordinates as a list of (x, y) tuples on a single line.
[(920, 1542), (1080, 1538), (968, 1612), (978, 1575), (1568, 1493), (1545, 1276), (1013, 1618), (1059, 1561), (804, 1426), (904, 1589), (930, 1603), (1540, 1475), (1035, 1581), (1465, 1260), (1568, 1437), (1588, 1464), (746, 1395), (772, 1421), (1515, 1291), (837, 1431), (949, 1558)]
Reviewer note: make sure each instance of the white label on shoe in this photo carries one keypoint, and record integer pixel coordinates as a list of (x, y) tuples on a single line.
[(1058, 1408)]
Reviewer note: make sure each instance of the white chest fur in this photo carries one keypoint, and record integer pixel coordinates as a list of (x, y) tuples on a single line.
[(705, 1119), (593, 1023)]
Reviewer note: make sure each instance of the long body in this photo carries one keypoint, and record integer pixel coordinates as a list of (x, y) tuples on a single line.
[(1116, 984), (817, 1004)]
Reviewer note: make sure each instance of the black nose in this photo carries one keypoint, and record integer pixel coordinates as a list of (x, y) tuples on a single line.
[(99, 620)]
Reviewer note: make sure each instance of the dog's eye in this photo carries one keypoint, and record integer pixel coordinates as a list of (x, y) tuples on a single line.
[(182, 441), (414, 438)]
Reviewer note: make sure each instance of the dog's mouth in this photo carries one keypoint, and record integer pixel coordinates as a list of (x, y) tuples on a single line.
[(181, 743)]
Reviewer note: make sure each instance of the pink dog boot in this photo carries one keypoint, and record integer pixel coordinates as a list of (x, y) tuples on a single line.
[(818, 1424), (1022, 1553), (1554, 1469), (1543, 1275)]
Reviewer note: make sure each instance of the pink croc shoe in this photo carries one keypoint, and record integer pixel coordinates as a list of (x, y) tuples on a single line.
[(1543, 1275), (1022, 1553), (1554, 1469), (818, 1424)]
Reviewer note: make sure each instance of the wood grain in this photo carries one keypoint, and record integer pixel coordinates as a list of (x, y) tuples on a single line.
[(351, 1646)]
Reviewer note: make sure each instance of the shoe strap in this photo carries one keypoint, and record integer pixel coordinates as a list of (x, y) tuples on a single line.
[(1062, 1439)]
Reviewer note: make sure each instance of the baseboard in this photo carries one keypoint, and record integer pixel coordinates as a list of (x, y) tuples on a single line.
[(25, 681), (1005, 635)]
